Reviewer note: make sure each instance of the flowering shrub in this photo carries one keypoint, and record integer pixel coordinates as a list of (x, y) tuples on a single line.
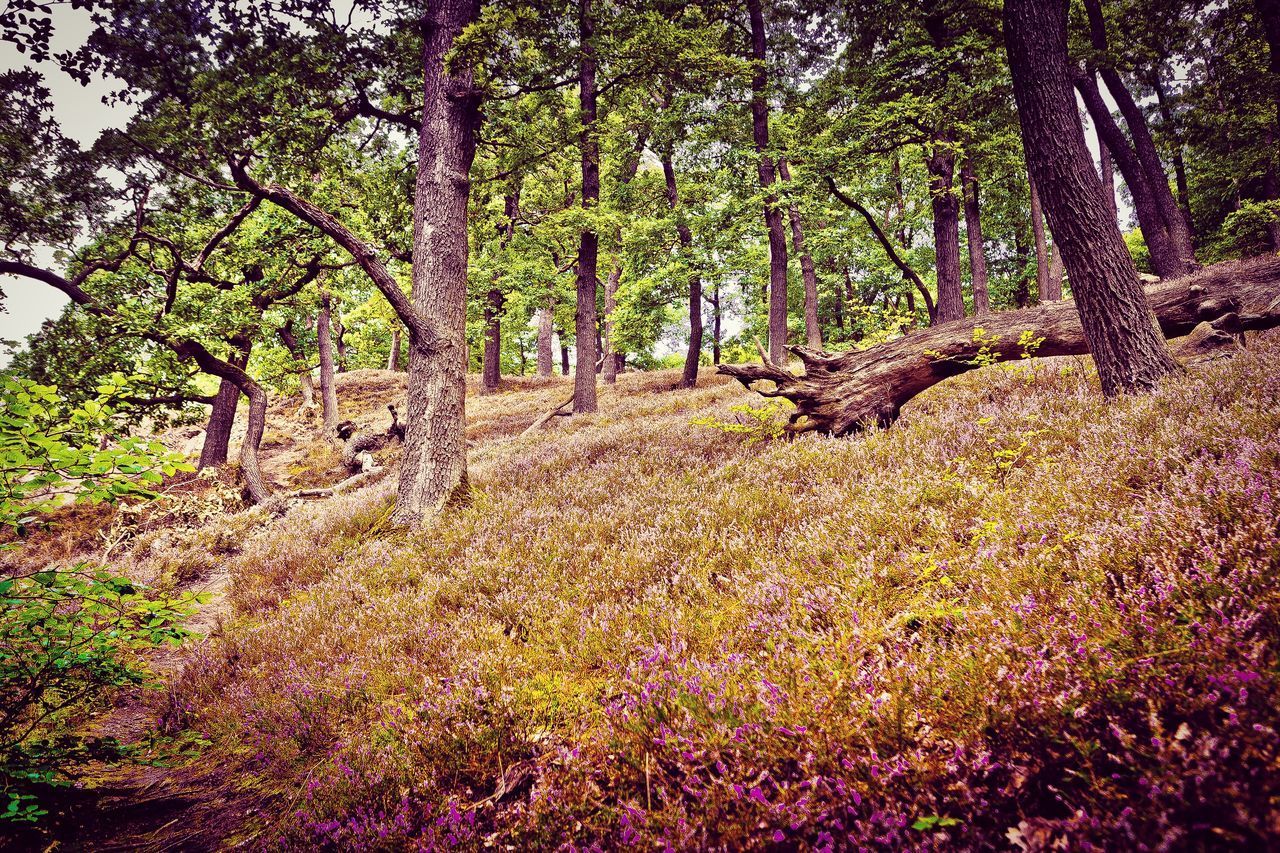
[(1023, 617)]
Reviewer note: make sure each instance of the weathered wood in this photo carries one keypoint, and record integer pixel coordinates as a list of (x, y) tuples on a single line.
[(841, 393)]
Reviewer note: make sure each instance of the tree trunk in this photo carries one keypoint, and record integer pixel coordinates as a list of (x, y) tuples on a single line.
[(973, 231), (1041, 241), (609, 370), (1179, 163), (393, 360), (1057, 271), (328, 392), (845, 392), (715, 322), (812, 328), (1022, 289), (222, 416), (946, 230), (1108, 171), (433, 467), (689, 378), (340, 343), (1176, 224), (545, 323), (1269, 12), (765, 171), (305, 386), (564, 355), (1117, 321), (584, 375), (491, 370)]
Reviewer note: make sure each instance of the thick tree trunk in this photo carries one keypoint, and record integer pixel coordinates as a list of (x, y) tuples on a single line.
[(222, 415), (584, 375), (564, 355), (946, 231), (1041, 240), (808, 272), (393, 359), (328, 391), (689, 378), (973, 231), (433, 467), (545, 328), (843, 392), (766, 173), (1118, 324), (491, 369)]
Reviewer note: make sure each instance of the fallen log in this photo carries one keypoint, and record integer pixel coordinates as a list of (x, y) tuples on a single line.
[(840, 393)]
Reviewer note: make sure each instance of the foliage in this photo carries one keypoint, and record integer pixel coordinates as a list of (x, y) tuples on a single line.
[(756, 423)]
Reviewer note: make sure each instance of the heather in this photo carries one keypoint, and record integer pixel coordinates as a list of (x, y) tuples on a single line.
[(1023, 616)]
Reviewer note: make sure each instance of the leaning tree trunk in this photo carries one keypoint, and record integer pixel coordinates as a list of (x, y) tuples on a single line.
[(766, 173), (222, 415), (328, 388), (433, 467), (584, 373), (841, 393), (973, 232), (305, 386), (808, 272), (1107, 170), (1118, 324)]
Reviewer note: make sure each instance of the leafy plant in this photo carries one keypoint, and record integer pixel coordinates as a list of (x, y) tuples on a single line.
[(756, 423)]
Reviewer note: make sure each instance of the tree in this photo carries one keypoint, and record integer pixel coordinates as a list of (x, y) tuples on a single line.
[(1118, 324)]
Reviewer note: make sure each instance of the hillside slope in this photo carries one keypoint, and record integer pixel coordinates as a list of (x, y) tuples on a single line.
[(1022, 616)]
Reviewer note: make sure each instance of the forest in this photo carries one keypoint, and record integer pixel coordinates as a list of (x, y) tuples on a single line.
[(633, 424)]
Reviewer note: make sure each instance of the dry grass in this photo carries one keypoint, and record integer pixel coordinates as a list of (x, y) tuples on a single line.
[(1021, 610)]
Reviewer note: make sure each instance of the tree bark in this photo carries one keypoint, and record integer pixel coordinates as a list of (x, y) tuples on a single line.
[(564, 355), (393, 359), (433, 468), (1269, 12), (1041, 240), (766, 173), (1176, 224), (946, 230), (305, 386), (1022, 289), (808, 272), (1108, 172), (545, 323), (1117, 321), (328, 390), (842, 393), (491, 370), (609, 370), (973, 232), (689, 378), (222, 416), (584, 374), (1057, 271), (715, 322)]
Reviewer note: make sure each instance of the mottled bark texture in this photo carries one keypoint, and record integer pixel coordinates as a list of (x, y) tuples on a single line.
[(946, 230), (845, 392), (1118, 323), (973, 232), (433, 469), (1041, 240), (546, 322), (767, 174), (1107, 170), (584, 373)]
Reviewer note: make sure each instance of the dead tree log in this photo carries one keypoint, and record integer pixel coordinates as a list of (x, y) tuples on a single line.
[(840, 393)]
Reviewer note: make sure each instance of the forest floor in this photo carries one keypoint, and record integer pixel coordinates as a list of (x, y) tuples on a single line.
[(1021, 616)]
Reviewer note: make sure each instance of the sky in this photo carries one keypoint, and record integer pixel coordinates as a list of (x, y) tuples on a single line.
[(82, 115)]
